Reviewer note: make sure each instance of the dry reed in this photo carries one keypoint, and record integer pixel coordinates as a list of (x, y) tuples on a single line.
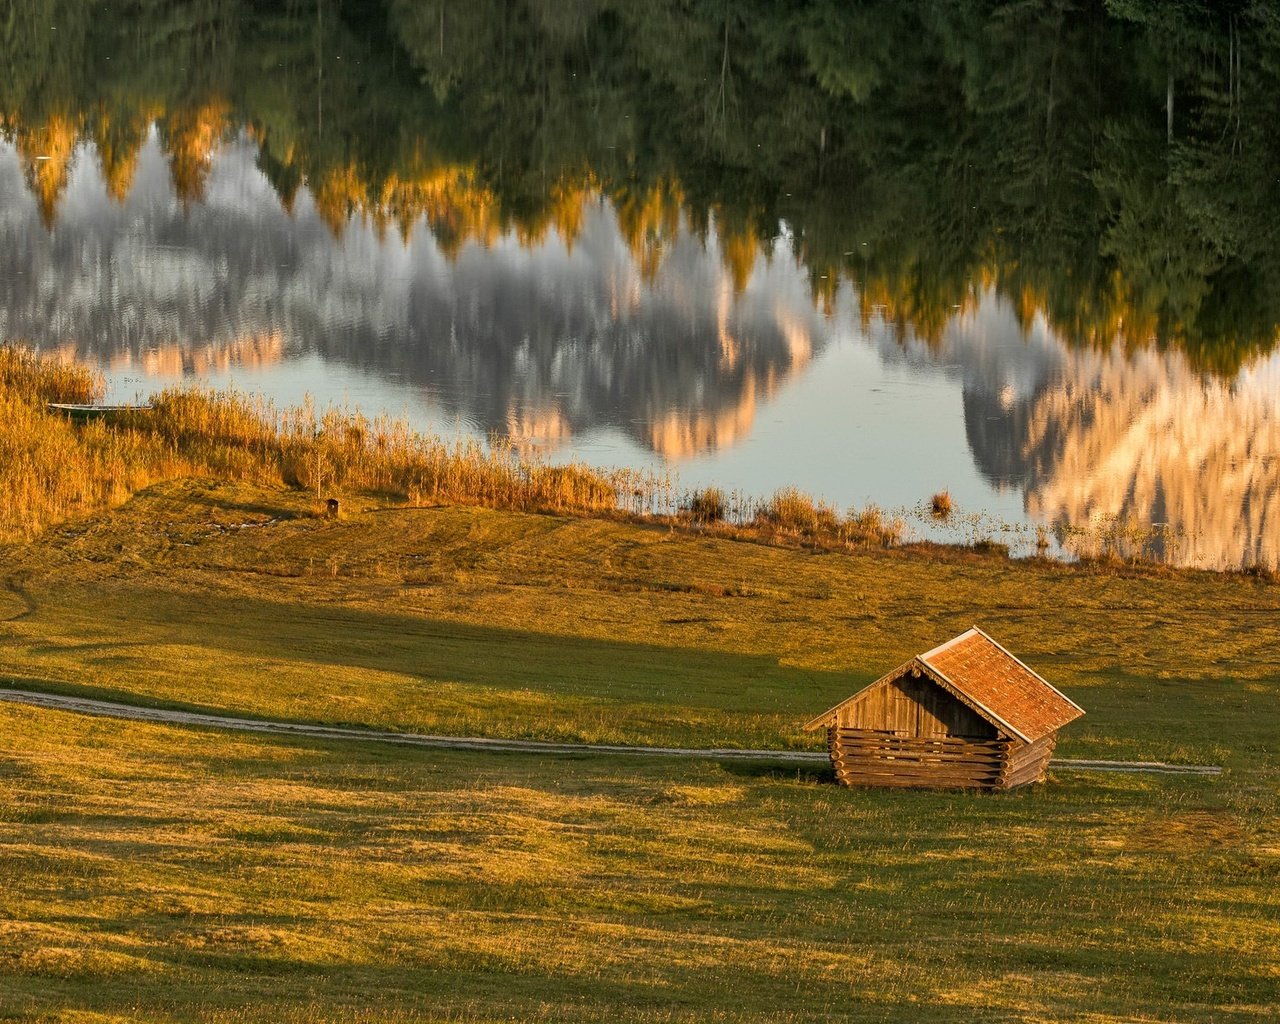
[(50, 468), (868, 527), (708, 505), (790, 511)]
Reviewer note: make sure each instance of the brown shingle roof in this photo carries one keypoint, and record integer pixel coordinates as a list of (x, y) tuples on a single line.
[(989, 679), (1000, 685)]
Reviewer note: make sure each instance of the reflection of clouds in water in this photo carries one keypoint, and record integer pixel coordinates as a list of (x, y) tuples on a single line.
[(547, 340), (252, 352), (576, 338), (1094, 436), (1144, 437)]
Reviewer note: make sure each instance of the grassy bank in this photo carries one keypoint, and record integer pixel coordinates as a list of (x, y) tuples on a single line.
[(160, 874), (468, 620), (151, 873)]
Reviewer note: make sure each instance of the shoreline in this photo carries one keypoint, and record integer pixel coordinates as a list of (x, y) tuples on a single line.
[(80, 463)]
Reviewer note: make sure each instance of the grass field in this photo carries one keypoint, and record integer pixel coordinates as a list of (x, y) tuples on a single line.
[(156, 873)]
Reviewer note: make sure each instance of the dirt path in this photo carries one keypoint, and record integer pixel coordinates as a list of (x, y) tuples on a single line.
[(109, 709)]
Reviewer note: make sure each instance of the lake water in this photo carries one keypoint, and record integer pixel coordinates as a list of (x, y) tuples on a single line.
[(721, 248)]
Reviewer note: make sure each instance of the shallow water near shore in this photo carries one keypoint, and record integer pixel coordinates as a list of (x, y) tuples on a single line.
[(1077, 345)]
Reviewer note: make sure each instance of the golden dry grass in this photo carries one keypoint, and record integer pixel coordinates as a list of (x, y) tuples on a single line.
[(159, 874), (51, 469)]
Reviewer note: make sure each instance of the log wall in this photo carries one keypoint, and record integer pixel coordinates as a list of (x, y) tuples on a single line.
[(866, 757), (1029, 761)]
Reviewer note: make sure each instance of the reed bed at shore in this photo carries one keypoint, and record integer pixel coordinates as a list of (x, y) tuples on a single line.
[(51, 468), (238, 437)]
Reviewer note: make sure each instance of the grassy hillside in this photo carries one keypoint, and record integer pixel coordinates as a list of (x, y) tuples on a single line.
[(162, 874), (153, 873), (158, 874), (473, 620)]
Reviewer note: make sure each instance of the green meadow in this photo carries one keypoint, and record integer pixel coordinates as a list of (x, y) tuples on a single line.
[(159, 873)]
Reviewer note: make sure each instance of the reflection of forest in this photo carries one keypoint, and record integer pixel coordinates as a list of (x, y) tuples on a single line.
[(1111, 172), (559, 215)]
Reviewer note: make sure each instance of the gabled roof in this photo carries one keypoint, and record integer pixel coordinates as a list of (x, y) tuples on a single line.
[(981, 674)]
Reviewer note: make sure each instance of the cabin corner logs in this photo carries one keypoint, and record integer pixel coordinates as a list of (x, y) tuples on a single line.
[(965, 715)]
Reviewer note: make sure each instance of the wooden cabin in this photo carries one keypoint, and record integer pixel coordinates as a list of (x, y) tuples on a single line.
[(965, 715)]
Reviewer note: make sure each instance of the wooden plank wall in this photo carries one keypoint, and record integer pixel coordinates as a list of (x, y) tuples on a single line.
[(915, 705)]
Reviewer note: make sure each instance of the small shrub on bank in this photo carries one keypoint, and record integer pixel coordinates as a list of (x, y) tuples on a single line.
[(868, 527), (792, 511), (708, 505), (1262, 571), (941, 506)]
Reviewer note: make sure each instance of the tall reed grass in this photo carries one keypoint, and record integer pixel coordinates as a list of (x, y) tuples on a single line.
[(792, 513), (708, 505), (51, 468)]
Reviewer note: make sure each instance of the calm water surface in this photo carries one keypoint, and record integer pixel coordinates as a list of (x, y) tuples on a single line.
[(1059, 302)]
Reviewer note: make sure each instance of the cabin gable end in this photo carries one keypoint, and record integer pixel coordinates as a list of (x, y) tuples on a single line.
[(911, 702)]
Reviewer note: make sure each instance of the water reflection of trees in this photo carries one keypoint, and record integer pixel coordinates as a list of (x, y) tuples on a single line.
[(1109, 167)]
